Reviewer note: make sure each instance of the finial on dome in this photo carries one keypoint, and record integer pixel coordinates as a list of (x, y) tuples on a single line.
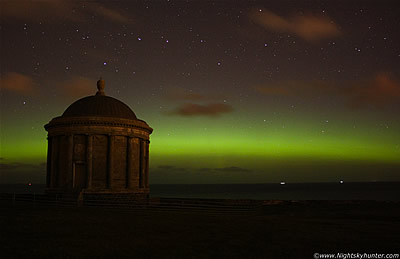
[(100, 86)]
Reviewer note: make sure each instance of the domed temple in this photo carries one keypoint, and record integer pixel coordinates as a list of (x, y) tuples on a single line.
[(98, 146)]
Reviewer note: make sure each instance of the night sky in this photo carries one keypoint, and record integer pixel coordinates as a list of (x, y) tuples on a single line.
[(236, 91)]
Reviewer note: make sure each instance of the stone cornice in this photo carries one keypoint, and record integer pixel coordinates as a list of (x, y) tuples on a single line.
[(97, 121)]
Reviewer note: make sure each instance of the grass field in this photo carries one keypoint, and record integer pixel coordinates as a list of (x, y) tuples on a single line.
[(287, 230)]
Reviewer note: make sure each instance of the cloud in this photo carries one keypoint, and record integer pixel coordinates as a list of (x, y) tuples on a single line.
[(232, 169), (179, 94), (229, 169), (21, 173), (282, 89), (171, 168), (11, 166), (168, 171), (18, 83), (21, 166), (37, 10), (166, 167), (110, 14), (295, 88), (212, 109), (78, 86), (189, 108), (59, 10), (186, 96), (203, 170), (309, 27), (175, 175), (378, 90)]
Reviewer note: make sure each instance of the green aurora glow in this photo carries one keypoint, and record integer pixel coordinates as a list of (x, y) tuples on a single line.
[(318, 107), (226, 137)]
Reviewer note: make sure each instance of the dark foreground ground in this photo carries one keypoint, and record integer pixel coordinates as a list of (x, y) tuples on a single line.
[(286, 230)]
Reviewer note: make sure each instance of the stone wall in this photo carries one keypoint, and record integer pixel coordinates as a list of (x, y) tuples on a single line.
[(119, 156), (100, 143), (98, 158)]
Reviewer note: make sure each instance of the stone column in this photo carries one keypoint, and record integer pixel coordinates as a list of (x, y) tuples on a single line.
[(135, 158), (48, 168), (70, 156), (141, 163), (110, 160), (146, 171), (89, 161), (54, 162), (128, 162)]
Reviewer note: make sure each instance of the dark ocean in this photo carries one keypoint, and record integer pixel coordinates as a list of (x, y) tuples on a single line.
[(291, 191)]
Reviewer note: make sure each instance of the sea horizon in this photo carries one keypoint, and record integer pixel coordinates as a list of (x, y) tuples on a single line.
[(376, 190)]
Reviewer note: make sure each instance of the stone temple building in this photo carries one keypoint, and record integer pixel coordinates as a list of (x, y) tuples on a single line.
[(98, 146)]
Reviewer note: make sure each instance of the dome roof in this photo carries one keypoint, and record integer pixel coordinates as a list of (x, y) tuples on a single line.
[(99, 105)]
